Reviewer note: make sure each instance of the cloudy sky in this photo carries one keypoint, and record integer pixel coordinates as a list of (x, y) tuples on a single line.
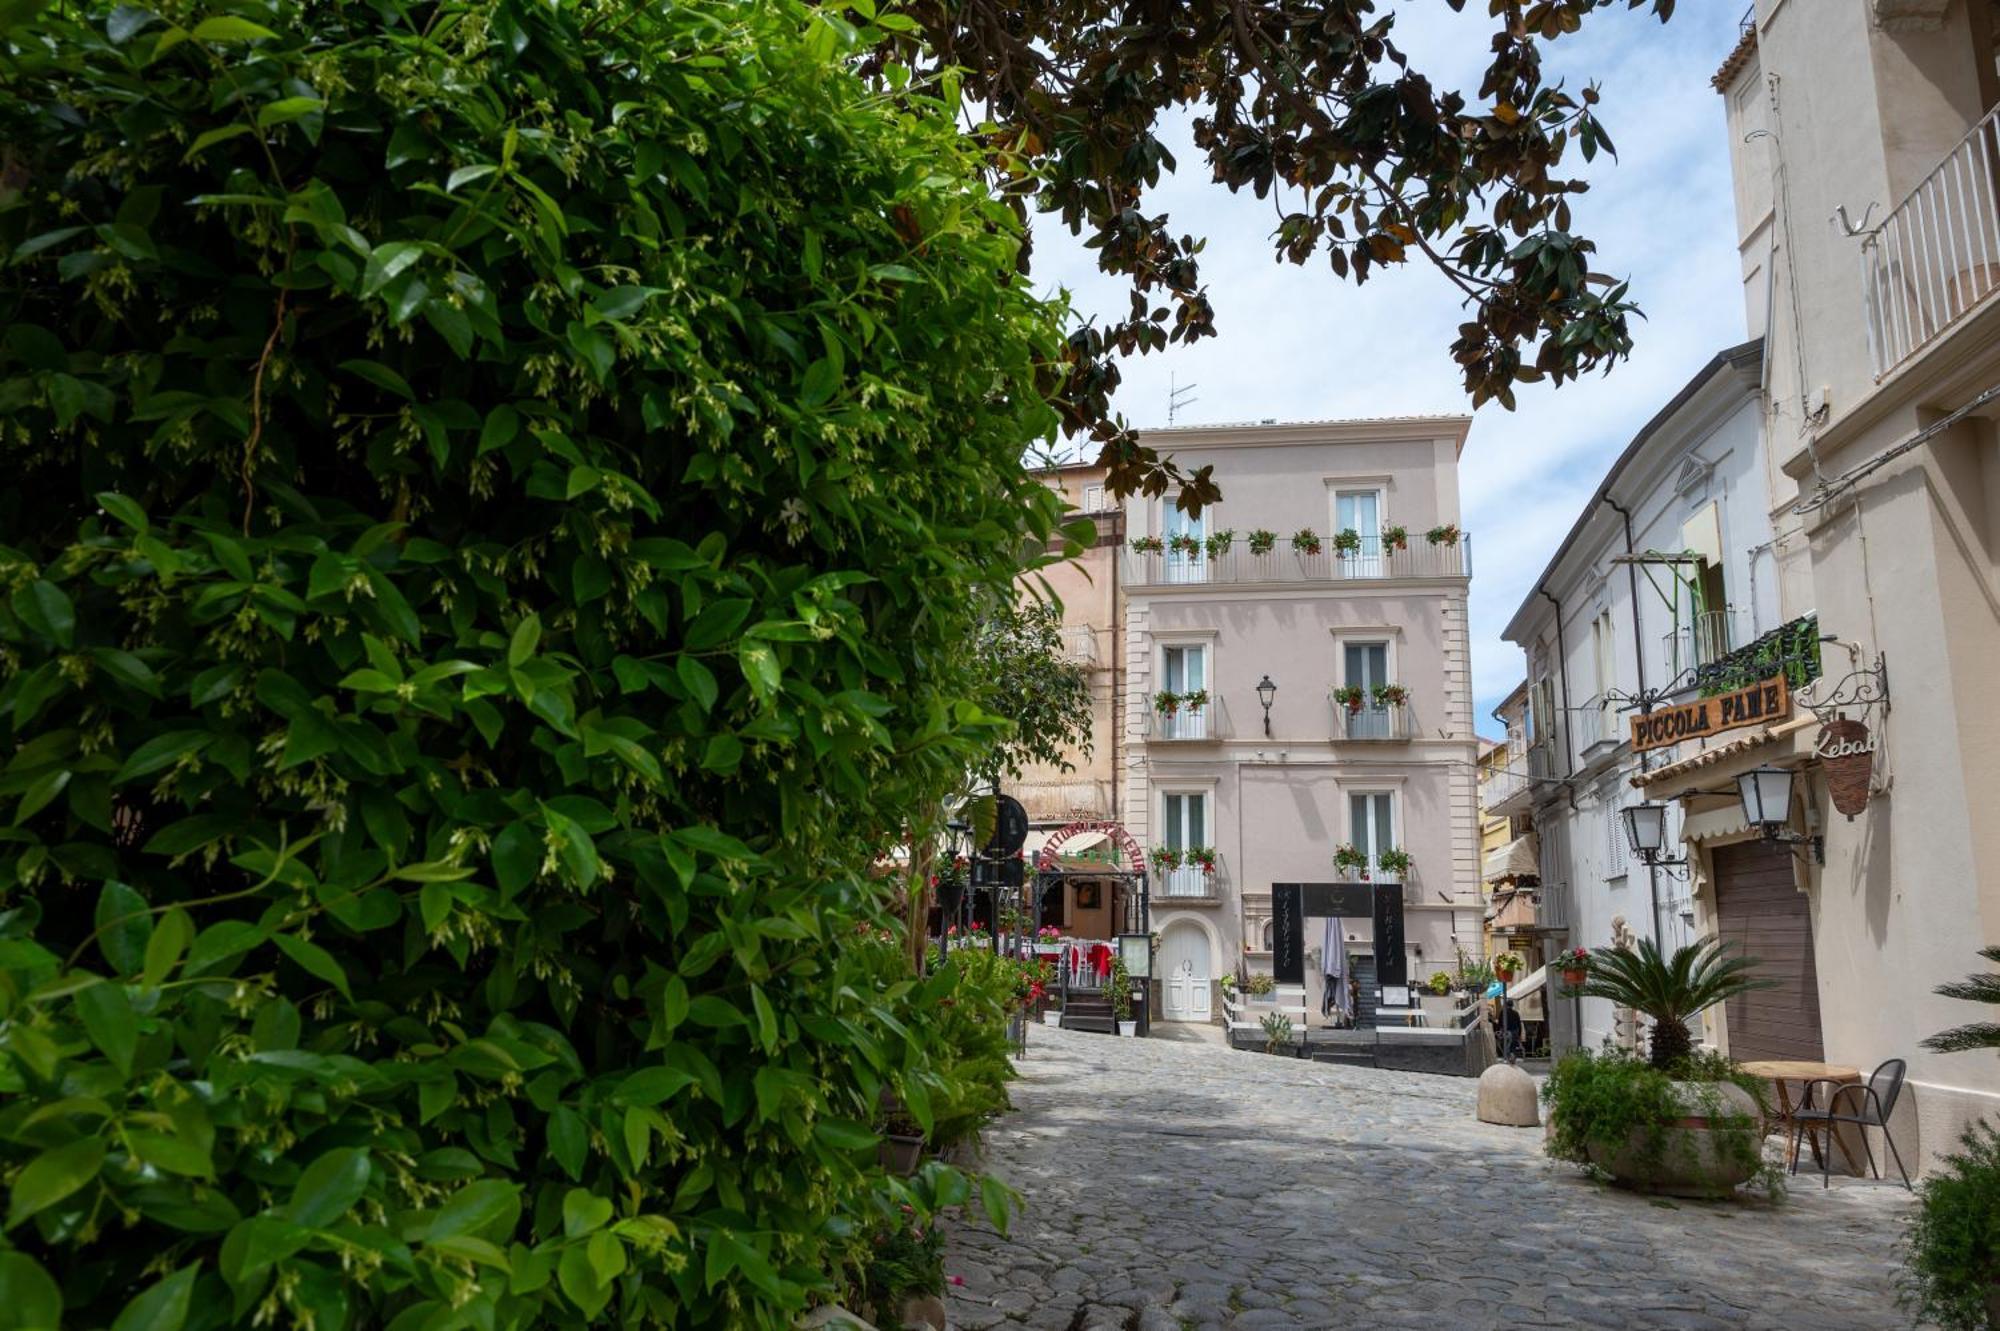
[(1297, 343)]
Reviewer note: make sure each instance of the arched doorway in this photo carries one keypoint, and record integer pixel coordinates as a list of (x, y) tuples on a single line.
[(1185, 970)]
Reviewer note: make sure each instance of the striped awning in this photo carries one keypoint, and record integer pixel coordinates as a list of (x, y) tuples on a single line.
[(1519, 858)]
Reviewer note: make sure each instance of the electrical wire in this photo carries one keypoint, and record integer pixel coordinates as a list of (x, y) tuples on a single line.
[(1829, 490)]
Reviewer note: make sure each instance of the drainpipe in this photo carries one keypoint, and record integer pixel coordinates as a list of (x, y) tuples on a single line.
[(1569, 769), (1639, 660)]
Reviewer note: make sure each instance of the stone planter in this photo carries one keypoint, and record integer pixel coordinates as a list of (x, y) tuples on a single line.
[(1128, 1028), (899, 1154), (1694, 1160)]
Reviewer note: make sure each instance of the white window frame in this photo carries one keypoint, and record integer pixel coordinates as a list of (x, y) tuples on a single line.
[(1618, 854), (1093, 498), (1347, 797), (1364, 564), (1182, 639), (1184, 882), (1177, 567)]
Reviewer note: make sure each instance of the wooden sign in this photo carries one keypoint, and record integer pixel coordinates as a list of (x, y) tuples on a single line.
[(1760, 704), (1847, 751)]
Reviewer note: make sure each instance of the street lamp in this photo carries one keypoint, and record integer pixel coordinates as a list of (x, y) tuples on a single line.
[(1266, 691), (1766, 793), (1646, 831)]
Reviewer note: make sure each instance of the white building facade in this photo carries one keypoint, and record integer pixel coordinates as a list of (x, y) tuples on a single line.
[(1667, 570), (1380, 613)]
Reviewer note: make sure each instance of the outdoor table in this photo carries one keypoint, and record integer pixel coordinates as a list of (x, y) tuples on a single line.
[(1781, 1073)]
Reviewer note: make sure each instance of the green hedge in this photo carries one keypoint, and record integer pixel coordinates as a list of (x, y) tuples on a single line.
[(496, 495)]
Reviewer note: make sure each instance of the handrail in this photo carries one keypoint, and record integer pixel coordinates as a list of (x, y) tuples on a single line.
[(1937, 254)]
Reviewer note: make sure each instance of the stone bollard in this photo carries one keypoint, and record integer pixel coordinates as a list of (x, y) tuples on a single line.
[(1507, 1096)]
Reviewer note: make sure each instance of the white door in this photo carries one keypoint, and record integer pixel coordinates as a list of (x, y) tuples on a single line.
[(1360, 511), (1184, 965), (1182, 565)]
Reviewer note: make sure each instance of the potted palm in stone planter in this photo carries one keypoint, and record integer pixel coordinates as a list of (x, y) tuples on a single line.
[(1678, 1121)]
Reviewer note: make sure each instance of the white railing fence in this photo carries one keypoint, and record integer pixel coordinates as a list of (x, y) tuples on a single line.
[(1282, 563), (1187, 881), (1938, 253)]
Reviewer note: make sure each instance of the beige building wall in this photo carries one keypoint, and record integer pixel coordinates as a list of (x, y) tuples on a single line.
[(1277, 804), (1087, 588), (1863, 100)]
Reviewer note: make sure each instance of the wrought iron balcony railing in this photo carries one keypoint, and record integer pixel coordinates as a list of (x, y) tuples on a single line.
[(1420, 559), (1373, 721)]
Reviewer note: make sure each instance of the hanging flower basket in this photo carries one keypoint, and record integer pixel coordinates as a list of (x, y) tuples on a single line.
[(1350, 696), (1166, 702), (1306, 541), (1395, 538), (1395, 861), (1262, 542), (1445, 535), (1195, 701), (1181, 543), (1200, 857), (1574, 966), (1218, 544), (1347, 541), (1347, 858), (1387, 695), (1146, 545), (1507, 965), (1164, 858)]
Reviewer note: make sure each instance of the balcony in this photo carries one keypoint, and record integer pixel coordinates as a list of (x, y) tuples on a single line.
[(1166, 568), (1079, 645), (1705, 641), (1206, 724), (1187, 885), (1937, 254), (1381, 722)]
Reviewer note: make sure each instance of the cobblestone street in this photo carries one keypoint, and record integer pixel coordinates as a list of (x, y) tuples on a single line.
[(1173, 1185)]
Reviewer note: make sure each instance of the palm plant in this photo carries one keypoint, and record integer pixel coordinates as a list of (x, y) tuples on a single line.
[(1973, 989), (1671, 990)]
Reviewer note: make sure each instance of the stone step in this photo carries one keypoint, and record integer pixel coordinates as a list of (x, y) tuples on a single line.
[(1358, 1058), (1101, 1025)]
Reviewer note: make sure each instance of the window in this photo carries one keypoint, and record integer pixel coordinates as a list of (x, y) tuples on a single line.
[(1184, 565), (1184, 670), (1360, 511), (1365, 665), (1093, 499), (1603, 647), (1187, 819), (1371, 823), (1616, 851)]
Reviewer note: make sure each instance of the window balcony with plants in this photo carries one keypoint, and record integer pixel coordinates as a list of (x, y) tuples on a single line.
[(1263, 555), (1390, 864), (1191, 716), (1185, 875), (1381, 713)]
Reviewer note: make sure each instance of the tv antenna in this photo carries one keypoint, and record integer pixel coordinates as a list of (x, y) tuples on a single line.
[(1177, 397)]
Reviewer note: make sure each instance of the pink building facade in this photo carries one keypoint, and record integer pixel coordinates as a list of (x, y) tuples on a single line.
[(1355, 618)]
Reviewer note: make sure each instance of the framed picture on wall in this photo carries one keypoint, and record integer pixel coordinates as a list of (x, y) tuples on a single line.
[(1087, 896)]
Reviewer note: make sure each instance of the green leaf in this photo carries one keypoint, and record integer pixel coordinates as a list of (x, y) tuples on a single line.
[(330, 1186), (164, 1307), (381, 376), (30, 1299), (727, 1253), (162, 751), (221, 941), (41, 794), (124, 926), (387, 263), (845, 1134), (52, 1176), (315, 959), (569, 1141), (485, 1207), (579, 1281), (171, 1154), (584, 1211), (171, 937), (45, 608), (521, 647), (622, 302), (127, 512), (230, 29), (127, 669), (109, 1020), (650, 1086), (287, 109), (210, 137), (699, 681)]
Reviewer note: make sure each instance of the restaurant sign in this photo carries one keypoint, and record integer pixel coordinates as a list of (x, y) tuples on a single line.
[(1756, 705)]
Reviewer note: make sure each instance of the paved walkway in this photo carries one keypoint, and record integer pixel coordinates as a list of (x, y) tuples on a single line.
[(1177, 1185)]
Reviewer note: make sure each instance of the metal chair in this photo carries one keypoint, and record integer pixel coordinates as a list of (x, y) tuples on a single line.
[(1873, 1102)]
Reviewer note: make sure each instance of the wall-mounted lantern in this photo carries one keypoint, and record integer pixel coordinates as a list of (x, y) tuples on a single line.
[(1266, 691), (1766, 793)]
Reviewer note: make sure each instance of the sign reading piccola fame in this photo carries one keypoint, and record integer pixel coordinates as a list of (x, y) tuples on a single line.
[(1759, 704)]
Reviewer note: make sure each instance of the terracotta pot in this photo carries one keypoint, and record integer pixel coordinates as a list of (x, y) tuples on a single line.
[(1692, 1161), (899, 1154), (1574, 978)]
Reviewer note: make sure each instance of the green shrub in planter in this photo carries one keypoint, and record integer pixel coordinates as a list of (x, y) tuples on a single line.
[(1615, 1113), (497, 494), (1952, 1250)]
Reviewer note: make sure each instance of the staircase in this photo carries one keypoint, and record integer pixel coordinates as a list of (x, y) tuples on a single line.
[(1088, 1010)]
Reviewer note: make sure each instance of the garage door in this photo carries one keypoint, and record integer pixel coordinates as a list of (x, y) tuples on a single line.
[(1761, 913)]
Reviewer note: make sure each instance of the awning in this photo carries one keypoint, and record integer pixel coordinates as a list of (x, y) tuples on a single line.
[(1519, 858), (1533, 984), (1684, 769)]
